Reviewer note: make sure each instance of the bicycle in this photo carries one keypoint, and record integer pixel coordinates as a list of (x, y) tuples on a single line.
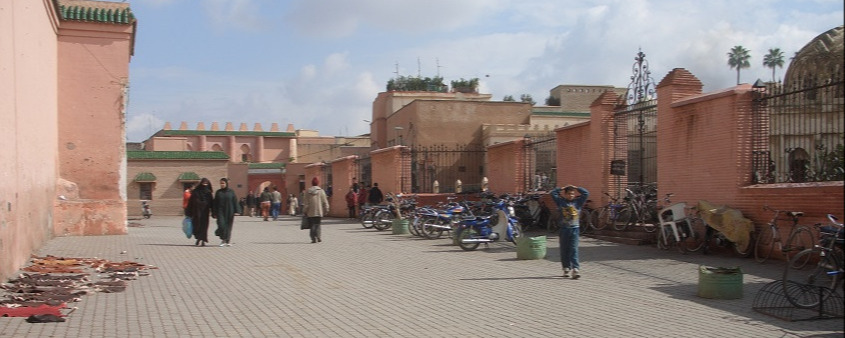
[(643, 207), (809, 288), (677, 228), (612, 213), (800, 238)]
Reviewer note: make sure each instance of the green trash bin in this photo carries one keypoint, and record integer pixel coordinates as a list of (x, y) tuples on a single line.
[(719, 283), (531, 247), (400, 227)]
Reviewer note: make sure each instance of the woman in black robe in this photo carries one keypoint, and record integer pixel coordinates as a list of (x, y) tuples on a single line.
[(199, 207), (224, 210)]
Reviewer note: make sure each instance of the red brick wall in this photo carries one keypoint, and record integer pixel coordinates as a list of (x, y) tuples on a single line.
[(506, 167), (343, 171), (389, 167)]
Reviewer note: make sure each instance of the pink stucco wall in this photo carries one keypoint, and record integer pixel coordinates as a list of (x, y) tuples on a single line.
[(61, 84), (28, 104), (93, 76)]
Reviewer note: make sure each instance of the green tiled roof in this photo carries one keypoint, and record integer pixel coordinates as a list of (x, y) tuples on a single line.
[(266, 165), (145, 177), (226, 133), (176, 155), (189, 176), (566, 113), (93, 11)]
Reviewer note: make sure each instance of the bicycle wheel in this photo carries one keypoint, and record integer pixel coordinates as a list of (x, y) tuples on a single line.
[(599, 217), (692, 239), (800, 239), (765, 244), (468, 233), (585, 219), (808, 286), (621, 218)]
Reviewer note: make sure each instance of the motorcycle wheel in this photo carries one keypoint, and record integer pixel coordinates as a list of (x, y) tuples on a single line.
[(383, 220), (468, 233), (747, 249), (429, 231)]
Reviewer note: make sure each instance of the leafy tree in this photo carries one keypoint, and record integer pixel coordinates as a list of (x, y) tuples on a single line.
[(552, 101), (411, 83), (526, 98), (738, 58), (465, 86), (508, 98), (773, 60)]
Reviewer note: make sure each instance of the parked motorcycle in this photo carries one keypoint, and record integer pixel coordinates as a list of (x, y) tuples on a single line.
[(531, 212), (502, 225)]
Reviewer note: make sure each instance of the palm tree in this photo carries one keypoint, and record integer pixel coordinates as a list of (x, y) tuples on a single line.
[(773, 60), (738, 58)]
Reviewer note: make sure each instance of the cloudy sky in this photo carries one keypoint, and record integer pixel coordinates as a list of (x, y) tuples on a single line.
[(319, 64)]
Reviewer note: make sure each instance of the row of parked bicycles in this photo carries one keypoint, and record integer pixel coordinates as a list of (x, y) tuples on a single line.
[(814, 270)]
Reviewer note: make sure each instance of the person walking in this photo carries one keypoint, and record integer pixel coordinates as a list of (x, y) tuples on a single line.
[(374, 196), (569, 207), (351, 200), (362, 198), (293, 202), (250, 203), (186, 197), (223, 209), (266, 199), (277, 203), (315, 205), (199, 209)]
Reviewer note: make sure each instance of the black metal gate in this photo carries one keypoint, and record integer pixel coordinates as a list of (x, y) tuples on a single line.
[(443, 166), (364, 170), (541, 167), (634, 145)]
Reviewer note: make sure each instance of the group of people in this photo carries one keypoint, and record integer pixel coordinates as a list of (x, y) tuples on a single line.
[(202, 202), (359, 196), (269, 203)]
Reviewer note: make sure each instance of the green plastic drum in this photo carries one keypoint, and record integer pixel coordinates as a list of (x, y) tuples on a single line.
[(719, 283), (400, 227), (531, 247)]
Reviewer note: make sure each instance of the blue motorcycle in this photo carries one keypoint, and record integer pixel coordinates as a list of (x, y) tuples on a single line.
[(502, 224)]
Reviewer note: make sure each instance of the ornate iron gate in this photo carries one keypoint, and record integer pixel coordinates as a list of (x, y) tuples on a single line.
[(634, 144), (445, 166)]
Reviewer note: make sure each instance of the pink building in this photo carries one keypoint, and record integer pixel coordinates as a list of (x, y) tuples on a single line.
[(62, 93)]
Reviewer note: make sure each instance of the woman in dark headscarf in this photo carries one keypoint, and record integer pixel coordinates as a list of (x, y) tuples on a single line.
[(199, 208), (225, 207)]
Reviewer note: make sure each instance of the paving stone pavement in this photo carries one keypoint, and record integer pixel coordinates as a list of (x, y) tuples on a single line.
[(272, 282)]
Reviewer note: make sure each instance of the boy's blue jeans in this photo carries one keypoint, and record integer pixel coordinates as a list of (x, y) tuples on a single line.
[(569, 247)]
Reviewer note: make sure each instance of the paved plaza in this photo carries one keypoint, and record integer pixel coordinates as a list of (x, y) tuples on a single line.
[(272, 282)]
